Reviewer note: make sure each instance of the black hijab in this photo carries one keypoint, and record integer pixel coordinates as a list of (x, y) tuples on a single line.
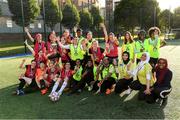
[(126, 61)]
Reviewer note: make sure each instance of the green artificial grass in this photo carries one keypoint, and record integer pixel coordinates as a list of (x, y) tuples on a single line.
[(85, 105)]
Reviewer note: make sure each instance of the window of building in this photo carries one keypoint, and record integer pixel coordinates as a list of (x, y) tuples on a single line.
[(39, 25), (9, 23), (31, 25)]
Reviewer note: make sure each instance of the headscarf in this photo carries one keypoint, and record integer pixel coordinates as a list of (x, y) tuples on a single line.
[(141, 64), (147, 59), (128, 59), (161, 72)]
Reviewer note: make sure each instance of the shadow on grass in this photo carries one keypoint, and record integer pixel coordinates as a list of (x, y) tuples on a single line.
[(85, 105), (142, 110)]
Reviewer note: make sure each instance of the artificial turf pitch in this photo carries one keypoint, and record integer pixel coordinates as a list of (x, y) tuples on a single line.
[(86, 105)]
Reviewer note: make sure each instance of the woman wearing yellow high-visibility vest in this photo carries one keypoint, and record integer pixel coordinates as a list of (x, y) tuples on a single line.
[(88, 43), (106, 74), (76, 51), (124, 78), (77, 76), (154, 44), (141, 45), (79, 35), (129, 45), (145, 77)]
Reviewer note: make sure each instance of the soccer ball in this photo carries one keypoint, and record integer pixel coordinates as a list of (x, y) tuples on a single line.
[(54, 97)]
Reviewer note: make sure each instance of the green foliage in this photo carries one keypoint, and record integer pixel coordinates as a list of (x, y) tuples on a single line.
[(176, 18), (86, 20), (68, 2), (164, 19), (132, 13), (31, 11), (53, 14), (71, 16), (97, 18)]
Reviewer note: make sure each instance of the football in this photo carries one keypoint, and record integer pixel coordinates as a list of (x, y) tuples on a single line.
[(54, 97)]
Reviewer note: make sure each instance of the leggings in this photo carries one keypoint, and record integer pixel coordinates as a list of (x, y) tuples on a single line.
[(136, 85), (122, 85), (161, 92), (81, 84), (32, 87), (107, 84)]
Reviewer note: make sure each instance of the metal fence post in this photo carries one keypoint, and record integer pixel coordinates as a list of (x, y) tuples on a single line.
[(22, 12), (44, 19)]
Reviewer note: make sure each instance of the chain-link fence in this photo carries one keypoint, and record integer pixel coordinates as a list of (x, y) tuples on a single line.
[(38, 16)]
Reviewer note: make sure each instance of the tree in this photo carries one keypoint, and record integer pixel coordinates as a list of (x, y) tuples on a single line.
[(86, 20), (149, 7), (71, 16), (176, 18), (125, 14), (53, 14), (164, 19), (97, 18), (31, 11), (132, 13)]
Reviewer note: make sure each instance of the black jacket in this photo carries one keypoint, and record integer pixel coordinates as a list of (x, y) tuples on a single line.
[(166, 82)]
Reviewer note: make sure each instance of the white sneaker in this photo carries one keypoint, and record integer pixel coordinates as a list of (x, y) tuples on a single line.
[(25, 42), (128, 91), (90, 88), (50, 95), (97, 92)]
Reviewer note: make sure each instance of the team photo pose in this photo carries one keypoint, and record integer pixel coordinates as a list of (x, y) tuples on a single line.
[(108, 76), (154, 45), (39, 44), (52, 73), (129, 45), (62, 81), (65, 40), (162, 86), (145, 78), (39, 57), (79, 35), (86, 79), (66, 37), (27, 78), (111, 44), (124, 79), (77, 76), (141, 45), (76, 51), (77, 62), (52, 47), (96, 52), (40, 78)]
